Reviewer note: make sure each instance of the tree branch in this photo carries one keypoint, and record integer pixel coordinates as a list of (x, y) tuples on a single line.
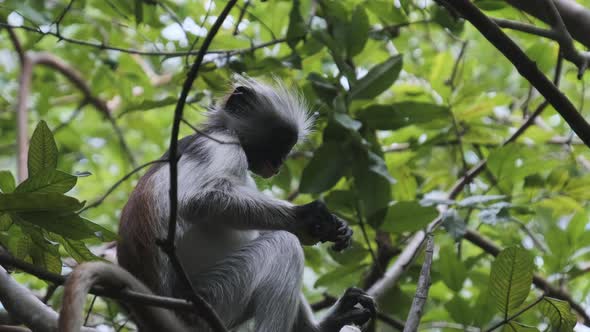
[(25, 307), (423, 286), (575, 16), (523, 27), (124, 295), (102, 46), (526, 67), (168, 245), (101, 199), (86, 275), (566, 42)]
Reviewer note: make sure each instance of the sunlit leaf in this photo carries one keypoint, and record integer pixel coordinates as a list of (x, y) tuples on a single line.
[(408, 216), (42, 150), (511, 278), (48, 180), (378, 79), (7, 182)]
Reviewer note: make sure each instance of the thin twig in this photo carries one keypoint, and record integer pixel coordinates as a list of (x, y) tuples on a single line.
[(361, 223), (62, 15), (518, 313), (101, 199), (102, 46), (72, 117), (241, 17), (89, 310), (524, 27), (168, 245), (566, 42)]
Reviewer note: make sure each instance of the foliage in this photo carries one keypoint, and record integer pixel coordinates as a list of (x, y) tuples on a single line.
[(402, 112)]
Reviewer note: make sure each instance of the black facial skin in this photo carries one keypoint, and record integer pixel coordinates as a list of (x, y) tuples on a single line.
[(266, 158)]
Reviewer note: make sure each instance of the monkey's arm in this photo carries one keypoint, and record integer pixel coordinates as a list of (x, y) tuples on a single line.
[(238, 206), (243, 207)]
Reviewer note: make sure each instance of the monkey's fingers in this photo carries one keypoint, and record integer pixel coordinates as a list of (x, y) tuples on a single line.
[(341, 245), (368, 303), (356, 316)]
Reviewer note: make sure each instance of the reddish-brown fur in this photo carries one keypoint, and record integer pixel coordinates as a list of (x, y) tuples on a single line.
[(137, 249)]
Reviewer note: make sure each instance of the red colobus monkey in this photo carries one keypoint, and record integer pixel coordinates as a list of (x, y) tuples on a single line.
[(240, 248)]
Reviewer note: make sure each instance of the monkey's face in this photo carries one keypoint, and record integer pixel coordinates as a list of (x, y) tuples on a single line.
[(266, 158)]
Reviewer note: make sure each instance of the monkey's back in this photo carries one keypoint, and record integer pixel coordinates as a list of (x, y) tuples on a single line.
[(137, 251)]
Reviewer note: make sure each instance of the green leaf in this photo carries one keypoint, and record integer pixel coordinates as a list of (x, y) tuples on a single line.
[(38, 201), (559, 313), (353, 254), (454, 224), (408, 217), (48, 180), (5, 222), (138, 11), (358, 32), (513, 162), (296, 29), (459, 309), (42, 150), (323, 87), (341, 277), (490, 4), (452, 270), (7, 182), (518, 327), (46, 256), (347, 122), (23, 247), (475, 200), (402, 114), (378, 79), (510, 279), (328, 165), (100, 232), (76, 249), (373, 184), (69, 225), (341, 201)]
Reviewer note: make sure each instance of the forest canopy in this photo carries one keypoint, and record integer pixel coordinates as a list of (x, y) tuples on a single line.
[(449, 134)]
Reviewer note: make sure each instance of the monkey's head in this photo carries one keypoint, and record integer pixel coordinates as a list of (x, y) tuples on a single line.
[(268, 120)]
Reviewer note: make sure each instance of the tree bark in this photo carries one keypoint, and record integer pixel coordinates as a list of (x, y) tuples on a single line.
[(575, 16)]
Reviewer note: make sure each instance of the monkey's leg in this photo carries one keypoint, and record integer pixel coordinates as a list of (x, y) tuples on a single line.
[(262, 279)]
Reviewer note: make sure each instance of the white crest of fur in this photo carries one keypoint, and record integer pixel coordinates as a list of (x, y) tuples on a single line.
[(288, 103)]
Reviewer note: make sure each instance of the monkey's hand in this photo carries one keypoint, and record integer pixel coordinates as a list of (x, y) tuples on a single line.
[(315, 223), (354, 307)]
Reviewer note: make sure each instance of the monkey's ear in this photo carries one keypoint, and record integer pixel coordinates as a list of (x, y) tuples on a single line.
[(240, 98)]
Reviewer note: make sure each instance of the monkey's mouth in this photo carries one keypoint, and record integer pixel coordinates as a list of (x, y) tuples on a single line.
[(268, 170)]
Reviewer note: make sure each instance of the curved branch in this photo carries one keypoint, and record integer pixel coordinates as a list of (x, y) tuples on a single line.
[(86, 275), (25, 307), (125, 295)]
